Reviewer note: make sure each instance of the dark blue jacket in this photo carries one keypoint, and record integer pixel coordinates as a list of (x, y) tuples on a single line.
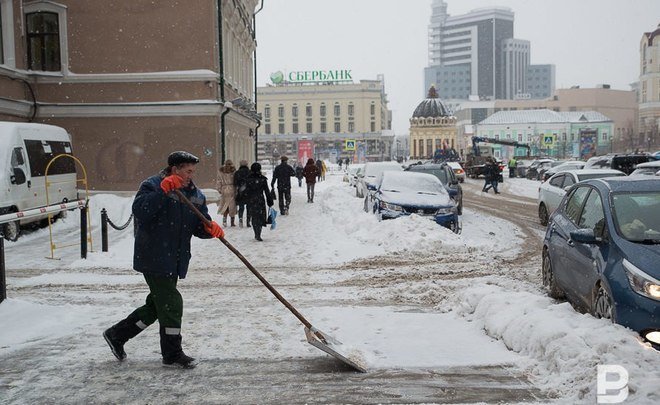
[(164, 228)]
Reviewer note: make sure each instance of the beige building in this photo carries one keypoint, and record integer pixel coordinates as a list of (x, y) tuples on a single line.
[(132, 81), (620, 106), (324, 110), (649, 92), (432, 128)]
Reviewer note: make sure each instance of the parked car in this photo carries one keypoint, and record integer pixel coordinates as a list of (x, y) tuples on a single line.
[(458, 171), (405, 193), (562, 167), (552, 191), (446, 175), (366, 180), (625, 163), (25, 151), (352, 174), (601, 251), (647, 169), (534, 169)]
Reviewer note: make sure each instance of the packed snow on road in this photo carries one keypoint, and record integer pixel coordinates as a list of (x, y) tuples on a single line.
[(406, 294)]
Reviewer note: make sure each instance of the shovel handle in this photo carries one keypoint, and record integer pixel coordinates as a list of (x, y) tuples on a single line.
[(246, 262)]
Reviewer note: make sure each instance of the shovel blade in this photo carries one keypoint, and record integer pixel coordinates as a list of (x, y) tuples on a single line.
[(335, 349)]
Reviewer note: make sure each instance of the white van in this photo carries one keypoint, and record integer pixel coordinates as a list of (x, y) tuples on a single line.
[(25, 151)]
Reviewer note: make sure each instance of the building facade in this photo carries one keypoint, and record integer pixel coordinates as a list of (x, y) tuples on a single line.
[(328, 119), (126, 83), (475, 55), (649, 93), (432, 128), (540, 81), (579, 134)]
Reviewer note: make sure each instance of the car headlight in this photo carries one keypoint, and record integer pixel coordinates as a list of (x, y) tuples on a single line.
[(446, 210), (391, 207), (641, 282)]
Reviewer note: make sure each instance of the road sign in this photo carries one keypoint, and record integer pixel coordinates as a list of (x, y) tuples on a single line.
[(349, 144), (548, 140)]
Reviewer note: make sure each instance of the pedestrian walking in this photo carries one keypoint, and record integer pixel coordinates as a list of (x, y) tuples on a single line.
[(299, 173), (258, 196), (324, 169), (282, 175), (319, 167), (240, 179), (165, 226), (492, 170), (311, 172), (346, 163), (225, 185), (339, 162)]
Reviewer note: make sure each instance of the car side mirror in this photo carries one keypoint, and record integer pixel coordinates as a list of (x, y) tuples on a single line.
[(567, 188), (586, 236), (18, 177), (371, 187)]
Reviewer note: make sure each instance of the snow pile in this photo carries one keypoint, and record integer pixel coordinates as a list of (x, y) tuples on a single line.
[(567, 346)]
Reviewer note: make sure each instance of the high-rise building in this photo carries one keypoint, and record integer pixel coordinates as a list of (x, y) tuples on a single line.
[(475, 55), (540, 81)]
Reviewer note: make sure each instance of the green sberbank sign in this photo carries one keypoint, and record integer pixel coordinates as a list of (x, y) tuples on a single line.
[(312, 76)]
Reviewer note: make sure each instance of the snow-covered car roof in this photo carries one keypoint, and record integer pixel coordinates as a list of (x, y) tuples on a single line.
[(413, 188), (648, 164), (582, 173)]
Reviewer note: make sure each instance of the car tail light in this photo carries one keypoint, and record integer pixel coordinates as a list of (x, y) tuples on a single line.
[(459, 171)]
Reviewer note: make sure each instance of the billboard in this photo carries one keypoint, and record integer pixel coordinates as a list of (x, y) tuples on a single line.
[(305, 151), (587, 145)]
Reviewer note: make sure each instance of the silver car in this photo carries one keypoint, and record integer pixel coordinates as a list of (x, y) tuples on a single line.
[(366, 180), (552, 191)]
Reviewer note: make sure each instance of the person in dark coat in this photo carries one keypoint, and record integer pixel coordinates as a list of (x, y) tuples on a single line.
[(311, 172), (282, 175), (319, 167), (492, 174), (299, 173), (256, 190), (240, 179), (165, 226)]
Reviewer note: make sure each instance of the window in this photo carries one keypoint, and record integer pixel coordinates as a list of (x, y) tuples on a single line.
[(17, 158), (308, 110), (267, 130), (267, 111), (43, 41), (557, 181), (322, 110), (593, 216), (40, 153), (568, 181), (295, 127), (281, 128), (294, 111), (280, 111), (575, 202), (351, 127), (337, 109), (373, 126), (604, 136), (373, 109), (323, 127), (309, 127), (337, 127), (351, 110)]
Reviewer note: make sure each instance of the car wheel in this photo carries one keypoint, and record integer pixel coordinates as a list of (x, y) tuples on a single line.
[(543, 214), (549, 281), (366, 204), (603, 305), (11, 231)]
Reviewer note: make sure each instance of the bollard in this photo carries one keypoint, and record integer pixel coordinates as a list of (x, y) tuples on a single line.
[(3, 278), (104, 230), (83, 232)]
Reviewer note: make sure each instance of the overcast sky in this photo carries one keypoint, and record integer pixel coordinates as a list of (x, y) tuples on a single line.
[(589, 41)]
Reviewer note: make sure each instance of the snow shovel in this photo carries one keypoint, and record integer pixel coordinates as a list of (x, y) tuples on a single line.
[(315, 337)]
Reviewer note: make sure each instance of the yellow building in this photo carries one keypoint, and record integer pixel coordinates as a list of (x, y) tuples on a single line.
[(327, 111), (432, 127)]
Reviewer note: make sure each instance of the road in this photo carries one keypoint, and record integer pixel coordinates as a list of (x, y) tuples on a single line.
[(79, 368)]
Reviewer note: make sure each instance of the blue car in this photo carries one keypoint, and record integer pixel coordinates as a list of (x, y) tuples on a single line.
[(404, 193), (602, 248)]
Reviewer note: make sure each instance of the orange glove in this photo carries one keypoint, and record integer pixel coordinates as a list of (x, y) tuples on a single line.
[(171, 182), (214, 230)]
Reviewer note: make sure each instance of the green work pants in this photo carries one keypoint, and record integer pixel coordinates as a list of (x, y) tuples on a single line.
[(164, 302)]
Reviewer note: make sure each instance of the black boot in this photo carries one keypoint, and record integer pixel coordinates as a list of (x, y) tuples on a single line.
[(170, 347), (122, 332)]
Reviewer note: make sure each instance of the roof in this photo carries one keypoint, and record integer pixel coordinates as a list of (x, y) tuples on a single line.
[(592, 171), (544, 116), (432, 107), (627, 183), (651, 35)]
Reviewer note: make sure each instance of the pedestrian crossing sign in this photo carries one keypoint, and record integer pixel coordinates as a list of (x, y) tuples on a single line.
[(349, 144), (548, 140)]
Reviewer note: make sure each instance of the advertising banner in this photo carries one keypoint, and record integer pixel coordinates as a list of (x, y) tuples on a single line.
[(587, 146), (305, 151)]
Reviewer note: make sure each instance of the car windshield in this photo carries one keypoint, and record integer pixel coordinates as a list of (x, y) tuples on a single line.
[(439, 173), (412, 183), (636, 216), (587, 176), (376, 170)]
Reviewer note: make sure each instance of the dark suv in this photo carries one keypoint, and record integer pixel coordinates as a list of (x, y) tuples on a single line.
[(625, 162), (446, 175)]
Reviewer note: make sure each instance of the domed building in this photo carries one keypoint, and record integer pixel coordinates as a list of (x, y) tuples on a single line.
[(432, 128)]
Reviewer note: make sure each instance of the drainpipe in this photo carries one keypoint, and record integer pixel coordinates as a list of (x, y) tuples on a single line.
[(254, 37), (221, 71)]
